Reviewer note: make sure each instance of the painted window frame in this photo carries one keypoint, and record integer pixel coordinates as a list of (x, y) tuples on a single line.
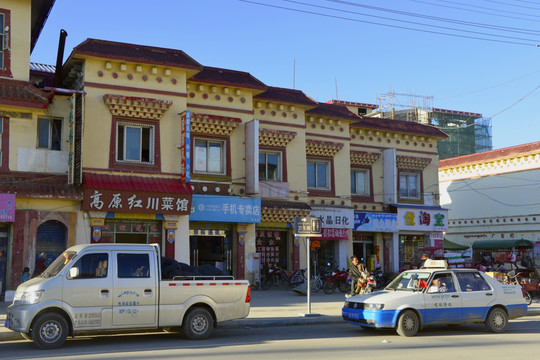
[(52, 138), (417, 175), (367, 182), (117, 160), (5, 38), (328, 177), (279, 170), (223, 156)]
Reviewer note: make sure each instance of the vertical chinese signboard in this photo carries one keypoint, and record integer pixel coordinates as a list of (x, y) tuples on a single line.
[(185, 146)]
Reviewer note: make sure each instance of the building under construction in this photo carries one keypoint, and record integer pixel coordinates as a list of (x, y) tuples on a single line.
[(468, 132)]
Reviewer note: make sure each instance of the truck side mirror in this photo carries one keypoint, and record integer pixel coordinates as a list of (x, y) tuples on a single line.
[(74, 273)]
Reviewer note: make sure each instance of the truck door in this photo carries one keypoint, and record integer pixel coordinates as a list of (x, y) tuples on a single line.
[(88, 291), (135, 289)]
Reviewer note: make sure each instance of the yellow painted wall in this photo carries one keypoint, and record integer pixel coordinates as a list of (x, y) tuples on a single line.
[(19, 37)]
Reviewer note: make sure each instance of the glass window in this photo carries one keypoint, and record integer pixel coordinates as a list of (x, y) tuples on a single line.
[(92, 266), (133, 265), (360, 182), (269, 166), (318, 175), (409, 185), (50, 134), (472, 281), (135, 143), (208, 157)]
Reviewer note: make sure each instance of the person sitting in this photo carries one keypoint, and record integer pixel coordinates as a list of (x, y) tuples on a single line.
[(437, 286)]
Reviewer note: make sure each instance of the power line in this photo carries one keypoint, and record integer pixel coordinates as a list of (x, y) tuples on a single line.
[(389, 25)]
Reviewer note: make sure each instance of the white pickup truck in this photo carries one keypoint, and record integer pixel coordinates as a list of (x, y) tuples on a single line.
[(117, 287)]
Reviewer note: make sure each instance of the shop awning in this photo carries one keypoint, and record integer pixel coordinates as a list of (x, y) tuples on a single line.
[(449, 245), (136, 183), (502, 244)]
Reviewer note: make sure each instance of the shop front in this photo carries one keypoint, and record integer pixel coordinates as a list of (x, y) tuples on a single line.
[(421, 230), (136, 210), (373, 235), (330, 249), (217, 231)]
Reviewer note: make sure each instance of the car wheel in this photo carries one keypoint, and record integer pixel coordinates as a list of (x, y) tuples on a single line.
[(408, 323), (49, 331), (198, 324), (497, 320)]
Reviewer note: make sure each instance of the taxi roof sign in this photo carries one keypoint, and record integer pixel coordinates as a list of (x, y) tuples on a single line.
[(435, 264)]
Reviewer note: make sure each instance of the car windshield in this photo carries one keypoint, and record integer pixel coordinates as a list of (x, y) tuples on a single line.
[(409, 281), (58, 264)]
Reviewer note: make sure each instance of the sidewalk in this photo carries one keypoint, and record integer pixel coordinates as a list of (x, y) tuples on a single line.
[(275, 307), (272, 307)]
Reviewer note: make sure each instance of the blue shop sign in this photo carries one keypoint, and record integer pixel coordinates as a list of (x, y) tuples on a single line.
[(377, 222), (225, 209)]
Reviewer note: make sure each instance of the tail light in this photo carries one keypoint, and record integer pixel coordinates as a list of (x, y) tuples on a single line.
[(248, 295)]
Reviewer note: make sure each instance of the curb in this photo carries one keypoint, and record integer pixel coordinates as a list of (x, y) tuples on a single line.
[(283, 321)]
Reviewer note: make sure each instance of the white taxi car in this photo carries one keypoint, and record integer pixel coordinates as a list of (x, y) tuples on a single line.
[(437, 295)]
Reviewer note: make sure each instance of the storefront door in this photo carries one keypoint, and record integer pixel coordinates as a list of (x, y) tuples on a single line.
[(50, 243), (214, 248)]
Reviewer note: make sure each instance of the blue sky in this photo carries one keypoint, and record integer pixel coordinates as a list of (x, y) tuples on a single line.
[(350, 50)]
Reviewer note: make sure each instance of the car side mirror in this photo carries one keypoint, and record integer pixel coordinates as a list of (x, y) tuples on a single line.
[(74, 273)]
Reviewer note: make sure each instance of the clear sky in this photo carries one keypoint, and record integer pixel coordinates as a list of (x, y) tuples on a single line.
[(477, 56)]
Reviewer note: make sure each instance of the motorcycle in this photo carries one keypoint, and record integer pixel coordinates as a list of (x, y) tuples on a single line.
[(318, 281), (279, 277), (379, 277), (339, 279)]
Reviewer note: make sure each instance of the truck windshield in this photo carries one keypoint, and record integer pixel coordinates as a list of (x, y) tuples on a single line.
[(409, 281), (58, 264)]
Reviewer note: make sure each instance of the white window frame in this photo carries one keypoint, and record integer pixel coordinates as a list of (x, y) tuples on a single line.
[(279, 165), (197, 162), (52, 125), (124, 144), (405, 181), (328, 180), (364, 173)]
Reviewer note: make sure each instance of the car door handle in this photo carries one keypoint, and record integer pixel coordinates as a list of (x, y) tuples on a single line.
[(148, 292), (489, 294), (455, 296), (105, 292)]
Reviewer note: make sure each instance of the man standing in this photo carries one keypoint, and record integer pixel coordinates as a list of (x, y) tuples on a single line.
[(354, 274)]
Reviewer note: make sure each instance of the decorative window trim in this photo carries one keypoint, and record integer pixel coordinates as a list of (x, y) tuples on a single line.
[(364, 158), (136, 107), (313, 191), (322, 148), (213, 124), (412, 162), (275, 138), (280, 164), (367, 179)]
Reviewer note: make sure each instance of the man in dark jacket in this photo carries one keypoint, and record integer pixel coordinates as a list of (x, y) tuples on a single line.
[(354, 274)]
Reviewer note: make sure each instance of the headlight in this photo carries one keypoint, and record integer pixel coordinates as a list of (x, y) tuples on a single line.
[(30, 298), (373, 306)]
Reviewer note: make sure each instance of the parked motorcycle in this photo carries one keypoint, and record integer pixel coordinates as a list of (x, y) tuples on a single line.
[(338, 280), (318, 281), (279, 277), (379, 277)]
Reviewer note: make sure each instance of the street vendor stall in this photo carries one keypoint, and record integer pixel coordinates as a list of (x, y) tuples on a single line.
[(498, 257)]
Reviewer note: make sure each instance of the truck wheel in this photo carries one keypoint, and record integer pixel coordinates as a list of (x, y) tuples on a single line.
[(49, 331), (497, 320), (408, 323), (198, 324)]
